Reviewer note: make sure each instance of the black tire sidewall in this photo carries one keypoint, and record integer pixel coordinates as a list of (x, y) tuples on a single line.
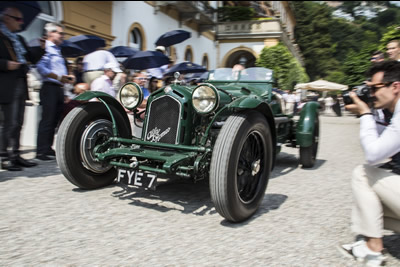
[(236, 209), (308, 155), (70, 160)]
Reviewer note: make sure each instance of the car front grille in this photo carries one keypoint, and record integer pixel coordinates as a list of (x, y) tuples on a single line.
[(163, 120)]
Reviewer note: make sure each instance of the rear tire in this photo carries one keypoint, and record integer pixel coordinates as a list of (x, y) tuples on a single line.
[(82, 129), (308, 155), (241, 165)]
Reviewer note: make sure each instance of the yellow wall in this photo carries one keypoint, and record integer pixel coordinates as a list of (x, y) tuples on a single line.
[(88, 17)]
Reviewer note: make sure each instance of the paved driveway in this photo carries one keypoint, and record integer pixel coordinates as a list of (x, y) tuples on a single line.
[(45, 220)]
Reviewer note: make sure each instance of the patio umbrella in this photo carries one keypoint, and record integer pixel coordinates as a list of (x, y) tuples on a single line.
[(68, 49), (123, 51), (186, 67), (29, 9), (145, 60), (173, 37), (321, 85), (88, 43)]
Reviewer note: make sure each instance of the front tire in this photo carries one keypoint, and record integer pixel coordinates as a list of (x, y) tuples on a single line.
[(82, 129), (241, 165)]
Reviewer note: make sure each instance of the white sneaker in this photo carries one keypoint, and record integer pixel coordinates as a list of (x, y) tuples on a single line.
[(360, 252)]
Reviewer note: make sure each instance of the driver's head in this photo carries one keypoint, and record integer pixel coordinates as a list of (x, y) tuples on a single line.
[(236, 69)]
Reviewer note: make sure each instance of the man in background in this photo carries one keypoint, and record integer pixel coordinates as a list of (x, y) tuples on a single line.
[(104, 83), (377, 56), (393, 50), (53, 69), (93, 64), (14, 58)]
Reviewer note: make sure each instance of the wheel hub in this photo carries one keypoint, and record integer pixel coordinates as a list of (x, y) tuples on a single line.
[(94, 134), (255, 167)]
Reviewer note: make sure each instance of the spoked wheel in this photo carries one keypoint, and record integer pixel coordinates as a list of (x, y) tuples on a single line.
[(81, 131), (240, 166), (308, 155)]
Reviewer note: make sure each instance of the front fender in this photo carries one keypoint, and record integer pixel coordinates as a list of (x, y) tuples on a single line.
[(306, 124), (247, 103), (108, 100)]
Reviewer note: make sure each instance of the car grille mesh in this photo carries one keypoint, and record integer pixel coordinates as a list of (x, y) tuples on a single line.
[(163, 120)]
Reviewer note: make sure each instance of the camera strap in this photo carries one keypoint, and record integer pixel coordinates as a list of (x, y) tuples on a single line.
[(388, 115)]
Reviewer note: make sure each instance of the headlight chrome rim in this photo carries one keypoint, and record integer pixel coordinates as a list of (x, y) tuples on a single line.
[(200, 95), (131, 95)]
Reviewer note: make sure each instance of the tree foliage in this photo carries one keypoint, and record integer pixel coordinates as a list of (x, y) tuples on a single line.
[(287, 70), (393, 33), (313, 22), (235, 13), (339, 50)]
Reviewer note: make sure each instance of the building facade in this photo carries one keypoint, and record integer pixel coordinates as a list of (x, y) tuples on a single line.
[(138, 24)]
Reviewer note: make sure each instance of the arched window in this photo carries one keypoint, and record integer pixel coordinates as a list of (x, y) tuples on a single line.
[(188, 54), (204, 61), (51, 11), (137, 37), (136, 40)]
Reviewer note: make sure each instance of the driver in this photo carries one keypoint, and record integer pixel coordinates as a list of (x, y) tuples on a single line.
[(236, 70)]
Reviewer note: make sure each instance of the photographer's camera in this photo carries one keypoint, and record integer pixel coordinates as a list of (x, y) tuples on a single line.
[(362, 91)]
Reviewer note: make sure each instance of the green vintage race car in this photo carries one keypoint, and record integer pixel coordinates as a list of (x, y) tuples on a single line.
[(228, 130)]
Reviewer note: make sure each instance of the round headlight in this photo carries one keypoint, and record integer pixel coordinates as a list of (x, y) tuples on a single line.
[(205, 98), (130, 95)]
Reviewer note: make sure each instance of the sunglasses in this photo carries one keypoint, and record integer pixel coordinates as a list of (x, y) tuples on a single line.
[(61, 33), (374, 88), (16, 18)]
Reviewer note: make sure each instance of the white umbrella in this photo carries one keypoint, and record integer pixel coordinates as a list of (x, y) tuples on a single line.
[(321, 85)]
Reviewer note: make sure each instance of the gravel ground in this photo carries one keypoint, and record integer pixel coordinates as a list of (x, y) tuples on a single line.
[(46, 221)]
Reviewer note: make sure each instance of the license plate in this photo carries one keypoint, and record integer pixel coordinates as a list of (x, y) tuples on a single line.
[(138, 178)]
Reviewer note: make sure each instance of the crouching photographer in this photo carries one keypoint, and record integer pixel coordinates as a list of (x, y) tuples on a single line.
[(376, 190)]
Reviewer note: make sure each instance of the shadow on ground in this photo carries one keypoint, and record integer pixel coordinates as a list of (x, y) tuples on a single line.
[(171, 194), (392, 245), (286, 163), (188, 198), (43, 169), (270, 202)]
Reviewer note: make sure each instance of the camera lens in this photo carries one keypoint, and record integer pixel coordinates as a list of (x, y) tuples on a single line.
[(346, 98)]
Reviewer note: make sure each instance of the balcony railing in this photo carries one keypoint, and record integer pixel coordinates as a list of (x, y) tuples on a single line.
[(249, 28), (196, 11), (263, 29)]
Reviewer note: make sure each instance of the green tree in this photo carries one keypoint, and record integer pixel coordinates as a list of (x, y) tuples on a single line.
[(356, 64), (312, 33), (287, 70), (338, 50), (235, 13), (392, 33), (388, 17)]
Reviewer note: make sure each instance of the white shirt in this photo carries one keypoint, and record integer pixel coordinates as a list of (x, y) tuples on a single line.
[(103, 84), (97, 59), (291, 98), (378, 147), (158, 72)]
